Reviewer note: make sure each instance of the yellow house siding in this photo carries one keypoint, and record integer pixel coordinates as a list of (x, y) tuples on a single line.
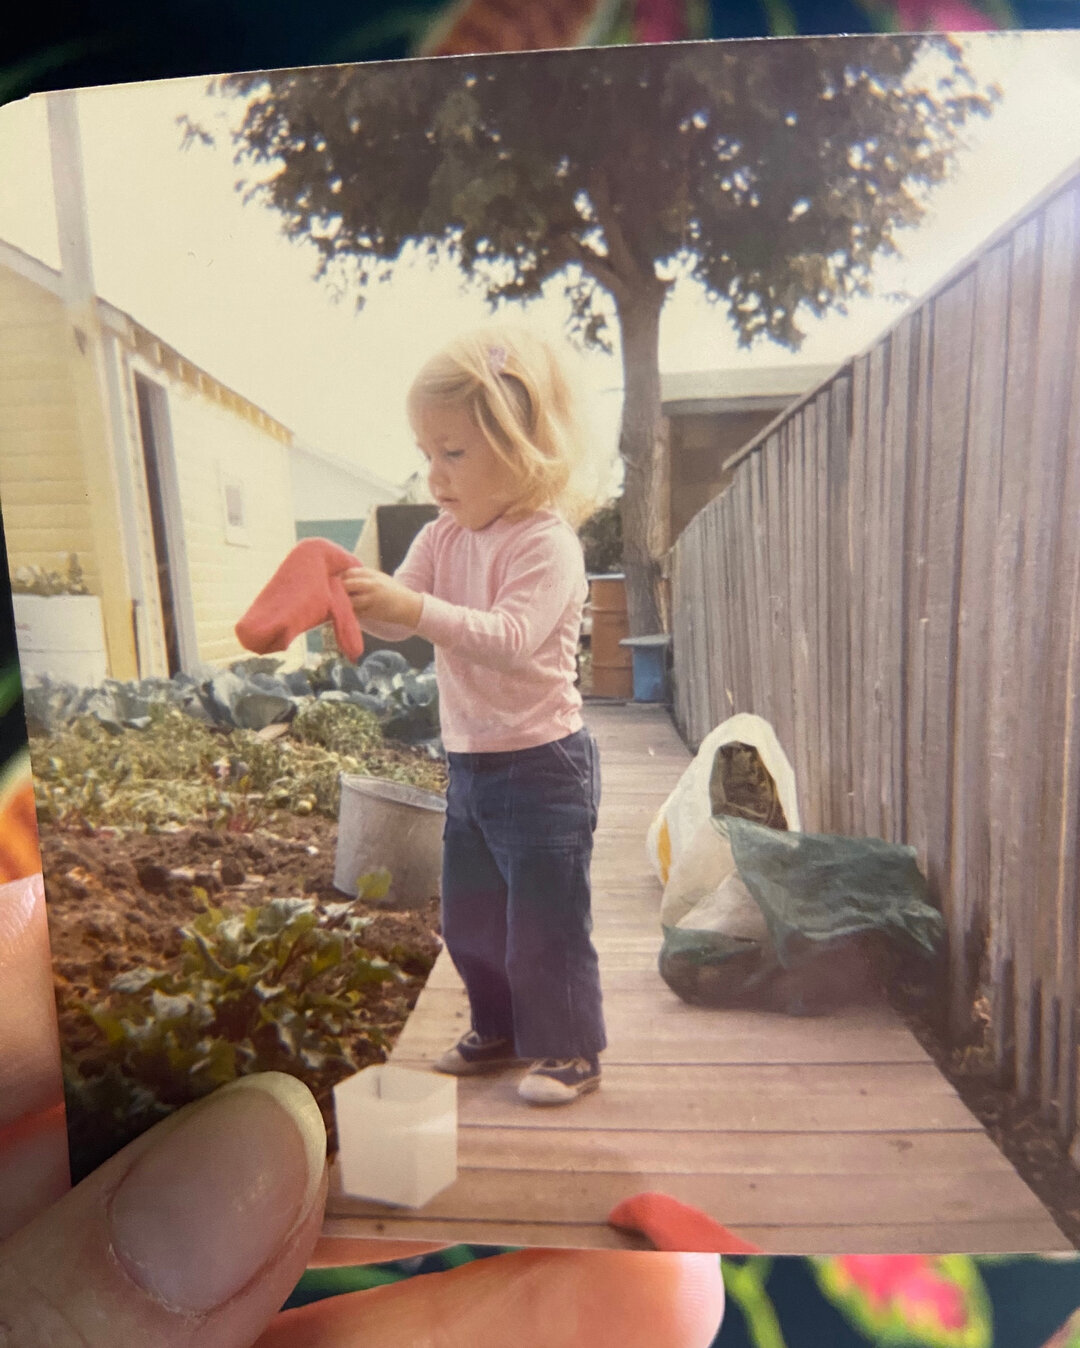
[(42, 484), (215, 444)]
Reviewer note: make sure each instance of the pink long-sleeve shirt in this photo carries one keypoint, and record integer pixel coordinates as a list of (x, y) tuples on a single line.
[(502, 607)]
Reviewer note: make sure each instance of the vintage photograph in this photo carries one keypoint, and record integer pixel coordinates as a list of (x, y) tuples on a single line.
[(548, 600)]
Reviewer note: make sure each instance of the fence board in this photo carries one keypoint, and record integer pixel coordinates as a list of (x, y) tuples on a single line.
[(829, 820), (967, 873), (702, 703), (802, 576), (1040, 485), (857, 593), (776, 487), (893, 650), (874, 605), (915, 585), (1004, 653), (812, 820), (954, 313), (1068, 901), (716, 570), (737, 621), (839, 615), (763, 694)]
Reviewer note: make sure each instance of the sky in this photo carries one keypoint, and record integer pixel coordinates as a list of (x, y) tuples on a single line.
[(174, 246)]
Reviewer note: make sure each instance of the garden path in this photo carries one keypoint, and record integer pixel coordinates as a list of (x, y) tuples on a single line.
[(804, 1136)]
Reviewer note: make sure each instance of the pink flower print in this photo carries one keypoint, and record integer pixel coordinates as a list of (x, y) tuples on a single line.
[(941, 16), (659, 20)]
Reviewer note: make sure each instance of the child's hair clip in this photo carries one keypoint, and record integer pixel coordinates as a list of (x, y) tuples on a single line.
[(496, 359)]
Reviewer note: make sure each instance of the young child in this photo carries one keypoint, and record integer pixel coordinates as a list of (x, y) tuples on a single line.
[(497, 584)]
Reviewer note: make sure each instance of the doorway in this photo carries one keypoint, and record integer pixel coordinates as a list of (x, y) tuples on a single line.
[(153, 433)]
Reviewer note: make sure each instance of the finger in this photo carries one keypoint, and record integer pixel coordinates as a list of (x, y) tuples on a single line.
[(347, 1252), (194, 1234), (531, 1299), (33, 1136)]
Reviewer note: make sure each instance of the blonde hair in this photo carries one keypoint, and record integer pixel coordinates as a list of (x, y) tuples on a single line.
[(517, 392)]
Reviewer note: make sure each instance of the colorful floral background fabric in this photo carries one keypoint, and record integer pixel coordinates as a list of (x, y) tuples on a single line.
[(116, 40), (889, 1301)]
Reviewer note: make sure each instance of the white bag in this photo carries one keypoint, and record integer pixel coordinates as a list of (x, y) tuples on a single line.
[(702, 889)]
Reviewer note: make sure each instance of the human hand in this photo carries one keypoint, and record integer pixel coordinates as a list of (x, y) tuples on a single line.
[(198, 1231), (378, 596)]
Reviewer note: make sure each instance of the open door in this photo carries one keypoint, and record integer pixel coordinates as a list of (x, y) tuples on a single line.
[(153, 423)]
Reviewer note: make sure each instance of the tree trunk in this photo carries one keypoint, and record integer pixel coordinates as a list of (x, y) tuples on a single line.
[(639, 438)]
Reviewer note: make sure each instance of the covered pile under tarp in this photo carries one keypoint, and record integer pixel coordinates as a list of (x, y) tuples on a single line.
[(758, 914)]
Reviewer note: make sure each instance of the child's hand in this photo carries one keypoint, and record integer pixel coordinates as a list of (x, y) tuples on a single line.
[(378, 596)]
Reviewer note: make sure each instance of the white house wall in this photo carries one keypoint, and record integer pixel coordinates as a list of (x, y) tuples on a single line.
[(323, 490)]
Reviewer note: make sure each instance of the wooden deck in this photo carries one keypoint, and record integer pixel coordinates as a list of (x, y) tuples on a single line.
[(805, 1136)]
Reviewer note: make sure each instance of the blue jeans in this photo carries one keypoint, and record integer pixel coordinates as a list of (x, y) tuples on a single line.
[(516, 915)]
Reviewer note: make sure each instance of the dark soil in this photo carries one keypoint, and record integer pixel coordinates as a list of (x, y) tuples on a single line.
[(1022, 1134), (117, 901)]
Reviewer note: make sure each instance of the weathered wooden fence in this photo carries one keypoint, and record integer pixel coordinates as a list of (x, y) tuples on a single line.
[(892, 579)]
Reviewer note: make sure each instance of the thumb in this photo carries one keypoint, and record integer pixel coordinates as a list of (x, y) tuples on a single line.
[(195, 1233)]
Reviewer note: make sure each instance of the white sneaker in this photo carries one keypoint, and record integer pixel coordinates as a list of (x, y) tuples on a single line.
[(559, 1081)]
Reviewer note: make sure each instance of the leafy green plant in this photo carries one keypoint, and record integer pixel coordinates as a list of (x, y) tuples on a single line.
[(253, 695), (272, 988)]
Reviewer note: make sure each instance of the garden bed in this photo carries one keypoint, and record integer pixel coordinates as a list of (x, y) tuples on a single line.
[(188, 836), (118, 903)]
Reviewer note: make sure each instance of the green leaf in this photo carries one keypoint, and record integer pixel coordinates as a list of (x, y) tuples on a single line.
[(328, 956), (110, 1025), (219, 1066), (290, 1027), (167, 1007), (374, 885), (135, 980)]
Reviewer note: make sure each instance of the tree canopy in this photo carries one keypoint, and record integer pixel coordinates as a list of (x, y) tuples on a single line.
[(772, 174)]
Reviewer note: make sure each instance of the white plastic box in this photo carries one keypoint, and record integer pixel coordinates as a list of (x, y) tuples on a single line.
[(397, 1134), (62, 636)]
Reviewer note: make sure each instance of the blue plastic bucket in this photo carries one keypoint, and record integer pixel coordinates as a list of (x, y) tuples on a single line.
[(650, 666)]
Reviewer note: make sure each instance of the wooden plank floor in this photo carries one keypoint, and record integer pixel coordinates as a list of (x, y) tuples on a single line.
[(805, 1136)]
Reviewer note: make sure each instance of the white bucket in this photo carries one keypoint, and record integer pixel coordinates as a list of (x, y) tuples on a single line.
[(61, 636), (385, 824)]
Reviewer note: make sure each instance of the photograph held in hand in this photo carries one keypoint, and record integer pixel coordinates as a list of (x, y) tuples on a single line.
[(618, 750)]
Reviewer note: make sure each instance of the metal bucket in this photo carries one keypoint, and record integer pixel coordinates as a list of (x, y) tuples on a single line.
[(385, 824)]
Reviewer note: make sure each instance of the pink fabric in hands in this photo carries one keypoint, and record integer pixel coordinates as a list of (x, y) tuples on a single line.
[(304, 592)]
